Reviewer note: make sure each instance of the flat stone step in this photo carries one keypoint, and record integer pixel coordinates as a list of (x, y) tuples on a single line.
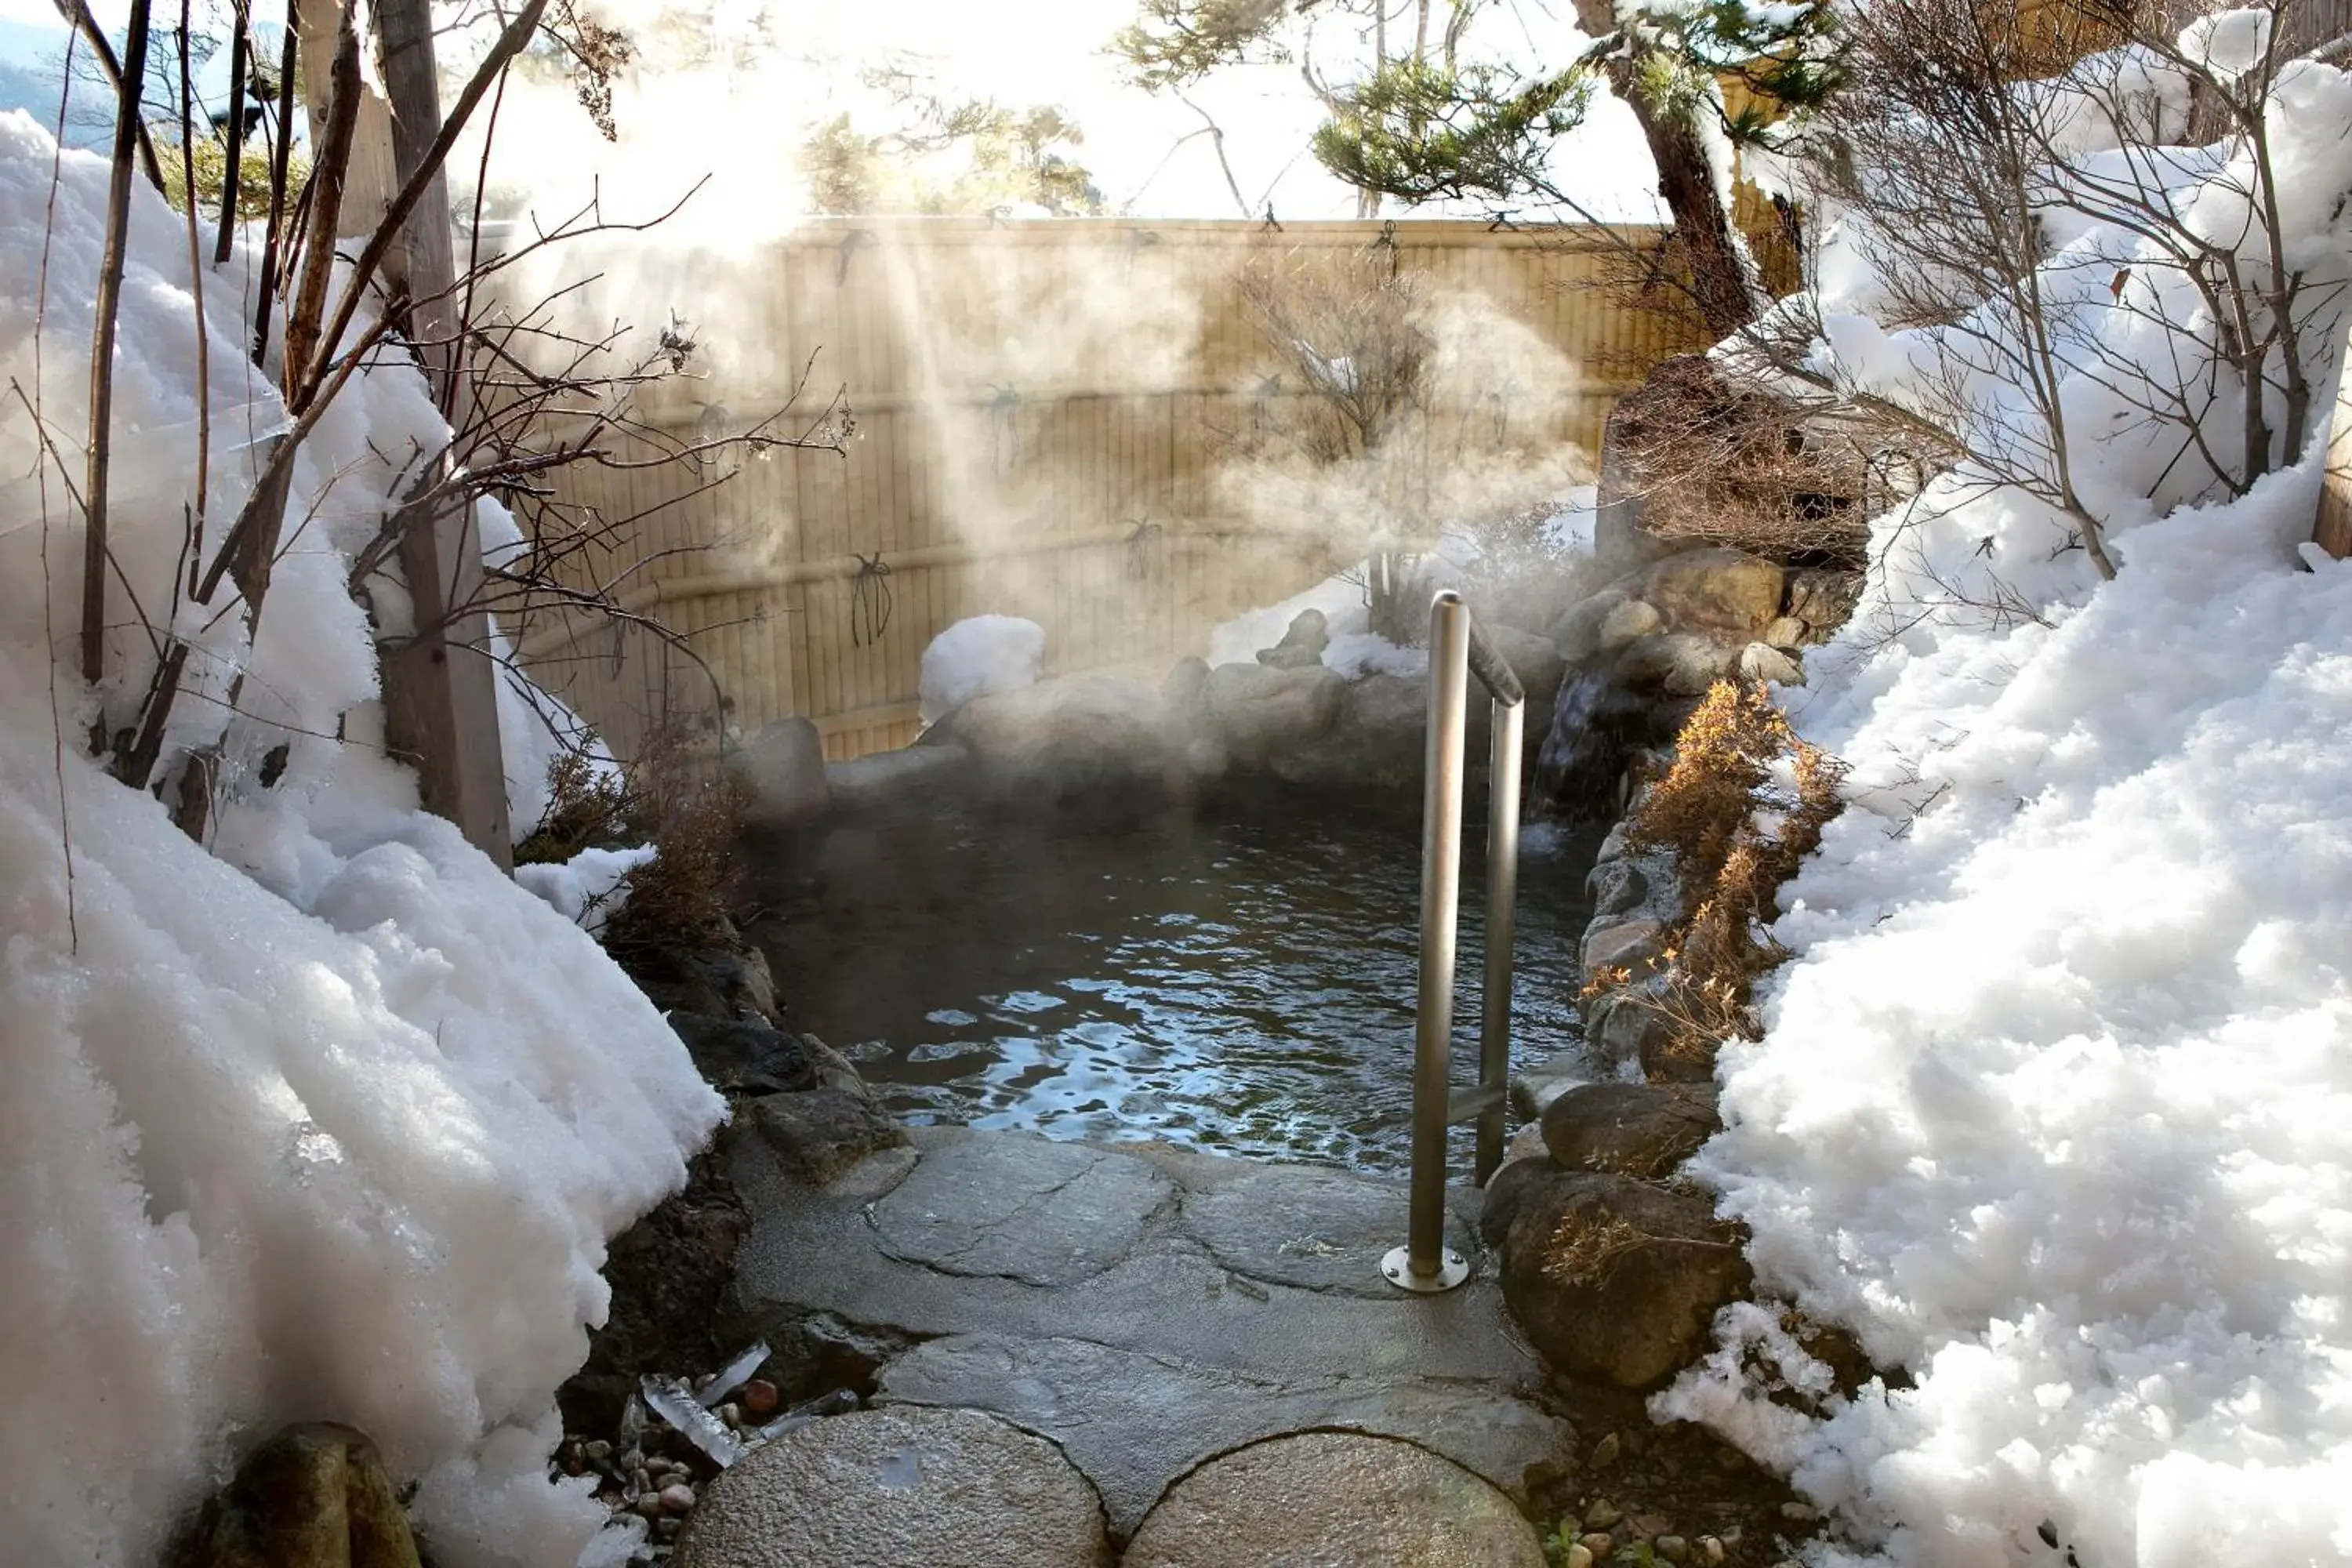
[(1134, 1422), (1279, 1279)]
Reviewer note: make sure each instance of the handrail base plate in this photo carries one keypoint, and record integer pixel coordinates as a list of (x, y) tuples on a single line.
[(1396, 1267)]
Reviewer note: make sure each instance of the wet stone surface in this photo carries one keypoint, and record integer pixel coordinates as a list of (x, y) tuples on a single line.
[(1146, 1309), (1289, 1225), (1026, 1209), (1132, 1422)]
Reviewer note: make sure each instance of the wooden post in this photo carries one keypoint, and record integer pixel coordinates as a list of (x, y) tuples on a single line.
[(440, 689), (369, 184), (2334, 532)]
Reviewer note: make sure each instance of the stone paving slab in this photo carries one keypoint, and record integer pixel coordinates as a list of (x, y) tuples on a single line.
[(818, 1249), (1027, 1209), (1144, 1306), (1134, 1422), (1316, 1229)]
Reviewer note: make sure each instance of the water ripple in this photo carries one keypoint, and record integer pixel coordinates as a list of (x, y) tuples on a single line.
[(1243, 985)]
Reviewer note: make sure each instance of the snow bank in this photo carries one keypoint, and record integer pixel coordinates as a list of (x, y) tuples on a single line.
[(585, 890), (1340, 598), (975, 656), (334, 1121), (2055, 1106), (352, 1156)]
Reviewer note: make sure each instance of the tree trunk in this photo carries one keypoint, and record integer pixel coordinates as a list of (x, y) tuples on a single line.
[(440, 687), (1719, 283)]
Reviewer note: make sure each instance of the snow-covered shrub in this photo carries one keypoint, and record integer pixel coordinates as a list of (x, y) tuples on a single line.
[(2031, 288)]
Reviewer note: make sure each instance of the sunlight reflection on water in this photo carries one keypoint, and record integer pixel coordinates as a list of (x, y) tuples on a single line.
[(1244, 983)]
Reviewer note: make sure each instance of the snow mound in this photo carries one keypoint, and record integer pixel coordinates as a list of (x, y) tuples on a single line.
[(976, 656), (1359, 653), (585, 890), (2055, 1107), (331, 1120), (353, 1157), (2054, 1104), (1239, 641)]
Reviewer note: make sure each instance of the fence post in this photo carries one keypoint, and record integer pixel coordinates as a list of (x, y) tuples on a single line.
[(2332, 530)]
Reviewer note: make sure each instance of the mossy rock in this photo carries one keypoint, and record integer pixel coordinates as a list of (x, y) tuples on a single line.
[(314, 1496)]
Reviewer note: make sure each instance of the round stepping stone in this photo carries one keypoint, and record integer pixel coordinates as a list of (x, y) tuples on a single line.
[(1333, 1500), (884, 1488)]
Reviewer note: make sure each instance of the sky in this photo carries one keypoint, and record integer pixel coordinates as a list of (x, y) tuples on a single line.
[(1139, 146)]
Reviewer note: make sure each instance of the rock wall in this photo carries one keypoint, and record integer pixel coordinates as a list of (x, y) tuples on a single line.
[(1641, 651), (1613, 1265)]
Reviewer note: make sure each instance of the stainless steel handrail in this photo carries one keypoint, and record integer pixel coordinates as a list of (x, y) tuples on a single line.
[(1457, 650)]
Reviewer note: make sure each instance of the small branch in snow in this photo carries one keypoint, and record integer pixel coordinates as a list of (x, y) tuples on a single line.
[(127, 132)]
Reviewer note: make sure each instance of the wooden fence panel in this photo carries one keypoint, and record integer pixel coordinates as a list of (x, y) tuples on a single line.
[(1050, 417)]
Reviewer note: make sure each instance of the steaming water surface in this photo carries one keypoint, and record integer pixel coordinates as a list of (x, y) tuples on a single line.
[(1241, 982)]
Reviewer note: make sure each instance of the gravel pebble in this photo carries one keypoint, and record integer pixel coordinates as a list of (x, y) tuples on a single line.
[(761, 1399), (1672, 1547), (1579, 1555), (1605, 1452), (1711, 1549), (1603, 1514), (675, 1498), (1802, 1513), (649, 1505), (1599, 1543)]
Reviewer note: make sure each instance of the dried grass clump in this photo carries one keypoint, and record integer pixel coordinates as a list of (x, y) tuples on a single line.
[(1603, 981), (1585, 1251), (587, 807), (1722, 758), (673, 797), (1725, 465), (1736, 840), (682, 896)]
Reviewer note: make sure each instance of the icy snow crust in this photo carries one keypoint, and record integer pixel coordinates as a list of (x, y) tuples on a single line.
[(333, 1121), (2054, 1108)]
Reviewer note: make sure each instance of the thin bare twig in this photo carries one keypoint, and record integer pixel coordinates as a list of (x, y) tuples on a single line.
[(48, 595)]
